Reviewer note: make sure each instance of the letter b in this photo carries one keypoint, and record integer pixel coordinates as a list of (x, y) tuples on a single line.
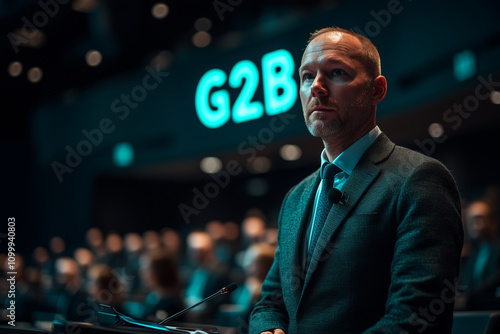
[(280, 88)]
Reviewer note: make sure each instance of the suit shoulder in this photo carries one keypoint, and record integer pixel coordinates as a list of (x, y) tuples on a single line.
[(405, 165), (401, 150), (413, 160), (398, 159)]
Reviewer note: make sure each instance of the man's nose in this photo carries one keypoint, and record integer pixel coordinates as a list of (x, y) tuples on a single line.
[(318, 87)]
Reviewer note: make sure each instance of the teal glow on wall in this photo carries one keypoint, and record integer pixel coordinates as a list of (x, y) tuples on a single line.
[(464, 65), (123, 154)]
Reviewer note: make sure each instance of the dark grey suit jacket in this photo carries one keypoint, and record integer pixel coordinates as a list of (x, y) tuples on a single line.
[(387, 259)]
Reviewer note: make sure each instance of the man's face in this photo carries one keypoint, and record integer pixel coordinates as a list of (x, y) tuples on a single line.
[(335, 89), (480, 222)]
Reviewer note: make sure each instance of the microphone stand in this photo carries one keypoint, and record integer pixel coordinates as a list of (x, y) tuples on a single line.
[(108, 316), (222, 291)]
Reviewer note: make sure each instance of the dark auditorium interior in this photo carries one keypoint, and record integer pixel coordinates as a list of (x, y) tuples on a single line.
[(121, 181)]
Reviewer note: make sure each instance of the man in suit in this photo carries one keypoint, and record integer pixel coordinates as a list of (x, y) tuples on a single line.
[(480, 276), (386, 259)]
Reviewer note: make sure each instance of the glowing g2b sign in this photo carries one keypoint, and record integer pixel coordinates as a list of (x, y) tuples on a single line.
[(280, 90)]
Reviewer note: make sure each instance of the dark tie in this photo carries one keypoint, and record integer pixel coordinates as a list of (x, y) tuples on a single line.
[(327, 175)]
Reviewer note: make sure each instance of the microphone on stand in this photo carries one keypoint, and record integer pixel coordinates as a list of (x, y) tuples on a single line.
[(108, 316), (230, 288)]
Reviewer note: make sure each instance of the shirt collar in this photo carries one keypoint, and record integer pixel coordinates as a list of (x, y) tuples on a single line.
[(349, 158)]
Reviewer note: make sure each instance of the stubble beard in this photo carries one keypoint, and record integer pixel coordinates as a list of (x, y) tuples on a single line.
[(321, 127), (338, 127)]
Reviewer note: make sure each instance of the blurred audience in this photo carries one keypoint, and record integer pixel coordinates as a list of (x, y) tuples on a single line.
[(134, 247), (73, 300), (151, 275), (254, 228), (232, 240), (57, 247), (271, 236), (171, 241), (42, 262), (223, 250), (159, 271), (115, 256), (479, 283), (152, 241), (105, 287), (257, 261), (208, 275), (26, 296), (85, 260), (95, 242)]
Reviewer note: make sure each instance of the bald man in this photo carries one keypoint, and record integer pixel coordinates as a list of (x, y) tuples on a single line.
[(380, 254)]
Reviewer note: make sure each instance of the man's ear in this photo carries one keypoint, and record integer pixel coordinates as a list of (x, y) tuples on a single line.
[(379, 89)]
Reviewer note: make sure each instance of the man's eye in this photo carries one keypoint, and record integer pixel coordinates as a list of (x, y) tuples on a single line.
[(337, 72), (308, 76)]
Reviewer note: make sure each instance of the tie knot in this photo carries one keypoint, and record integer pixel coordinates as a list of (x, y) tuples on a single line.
[(329, 171)]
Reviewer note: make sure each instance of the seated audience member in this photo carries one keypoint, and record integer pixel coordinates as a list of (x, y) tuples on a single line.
[(105, 287), (42, 262), (85, 260), (159, 272), (95, 240), (73, 302), (271, 236), (208, 275), (232, 234), (216, 230), (232, 241), (115, 257), (253, 230), (257, 261), (152, 241), (479, 281), (171, 241), (134, 247), (253, 227), (57, 250)]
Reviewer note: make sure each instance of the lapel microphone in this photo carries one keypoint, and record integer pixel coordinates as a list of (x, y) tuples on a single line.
[(335, 196), (227, 289)]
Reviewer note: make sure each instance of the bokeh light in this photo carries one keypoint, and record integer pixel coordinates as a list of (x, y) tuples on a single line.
[(211, 165)]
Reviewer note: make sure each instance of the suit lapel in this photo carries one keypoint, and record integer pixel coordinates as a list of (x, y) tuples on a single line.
[(298, 221), (356, 185)]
